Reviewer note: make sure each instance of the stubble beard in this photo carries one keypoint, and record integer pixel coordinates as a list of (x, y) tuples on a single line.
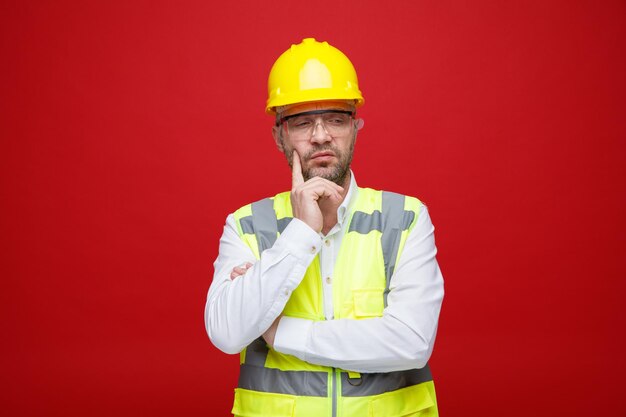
[(338, 172)]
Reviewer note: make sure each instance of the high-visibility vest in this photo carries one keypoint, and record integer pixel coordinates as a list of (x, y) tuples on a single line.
[(279, 385)]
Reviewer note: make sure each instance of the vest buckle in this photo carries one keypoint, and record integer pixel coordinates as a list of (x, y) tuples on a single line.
[(354, 379)]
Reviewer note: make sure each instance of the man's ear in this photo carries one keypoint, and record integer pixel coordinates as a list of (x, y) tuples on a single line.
[(277, 138)]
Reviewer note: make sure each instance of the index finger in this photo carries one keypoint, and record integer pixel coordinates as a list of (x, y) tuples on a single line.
[(296, 170)]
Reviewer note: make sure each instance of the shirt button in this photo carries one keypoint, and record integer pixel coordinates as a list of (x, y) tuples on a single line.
[(327, 242), (328, 280), (286, 292), (313, 249)]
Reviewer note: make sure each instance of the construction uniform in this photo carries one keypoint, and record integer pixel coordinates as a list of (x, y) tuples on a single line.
[(360, 308)]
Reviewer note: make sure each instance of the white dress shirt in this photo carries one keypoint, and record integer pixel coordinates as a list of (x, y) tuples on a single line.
[(240, 310)]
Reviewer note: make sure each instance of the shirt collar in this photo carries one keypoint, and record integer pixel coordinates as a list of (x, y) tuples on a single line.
[(348, 202)]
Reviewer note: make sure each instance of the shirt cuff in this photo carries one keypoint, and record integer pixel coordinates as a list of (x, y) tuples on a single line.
[(302, 241), (292, 335)]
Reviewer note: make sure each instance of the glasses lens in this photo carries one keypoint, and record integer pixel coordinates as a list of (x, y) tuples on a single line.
[(301, 127)]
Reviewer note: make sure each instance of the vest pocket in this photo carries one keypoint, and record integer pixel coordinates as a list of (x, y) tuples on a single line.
[(261, 404), (412, 401), (368, 303)]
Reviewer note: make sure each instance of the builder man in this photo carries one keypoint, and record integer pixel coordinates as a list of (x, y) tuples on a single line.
[(331, 292)]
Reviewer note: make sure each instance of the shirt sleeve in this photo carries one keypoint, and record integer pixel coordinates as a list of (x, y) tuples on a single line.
[(401, 339), (240, 310)]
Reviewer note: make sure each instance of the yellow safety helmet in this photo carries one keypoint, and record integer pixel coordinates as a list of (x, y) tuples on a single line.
[(311, 71)]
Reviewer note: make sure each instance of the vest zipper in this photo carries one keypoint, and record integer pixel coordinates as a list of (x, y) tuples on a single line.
[(334, 394)]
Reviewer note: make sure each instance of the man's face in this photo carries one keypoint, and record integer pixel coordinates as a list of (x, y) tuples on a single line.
[(323, 135)]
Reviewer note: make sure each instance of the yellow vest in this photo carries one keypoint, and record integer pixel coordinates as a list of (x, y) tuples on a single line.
[(272, 384)]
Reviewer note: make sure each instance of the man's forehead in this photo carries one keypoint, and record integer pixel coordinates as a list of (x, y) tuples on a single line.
[(314, 106)]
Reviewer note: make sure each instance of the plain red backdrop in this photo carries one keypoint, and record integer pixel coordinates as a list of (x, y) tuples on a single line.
[(130, 129)]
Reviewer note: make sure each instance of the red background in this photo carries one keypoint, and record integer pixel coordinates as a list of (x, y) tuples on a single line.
[(131, 129)]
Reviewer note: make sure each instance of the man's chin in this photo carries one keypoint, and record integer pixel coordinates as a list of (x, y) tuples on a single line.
[(331, 173), (321, 171)]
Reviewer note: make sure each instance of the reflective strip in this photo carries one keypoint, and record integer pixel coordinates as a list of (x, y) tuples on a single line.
[(247, 225), (393, 213), (309, 383), (264, 223), (314, 384), (334, 394), (364, 223), (283, 223), (256, 352), (374, 384)]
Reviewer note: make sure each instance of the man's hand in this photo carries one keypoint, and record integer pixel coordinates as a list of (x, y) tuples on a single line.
[(270, 334), (305, 196), (240, 270)]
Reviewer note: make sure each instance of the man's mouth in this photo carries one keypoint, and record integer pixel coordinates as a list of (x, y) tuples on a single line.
[(323, 155)]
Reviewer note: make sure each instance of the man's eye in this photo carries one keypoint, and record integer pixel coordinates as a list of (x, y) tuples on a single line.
[(301, 123), (336, 120)]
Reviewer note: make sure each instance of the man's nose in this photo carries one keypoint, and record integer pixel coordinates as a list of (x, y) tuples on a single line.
[(320, 134)]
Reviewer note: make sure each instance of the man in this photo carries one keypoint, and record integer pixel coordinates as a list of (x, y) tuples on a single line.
[(331, 292)]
